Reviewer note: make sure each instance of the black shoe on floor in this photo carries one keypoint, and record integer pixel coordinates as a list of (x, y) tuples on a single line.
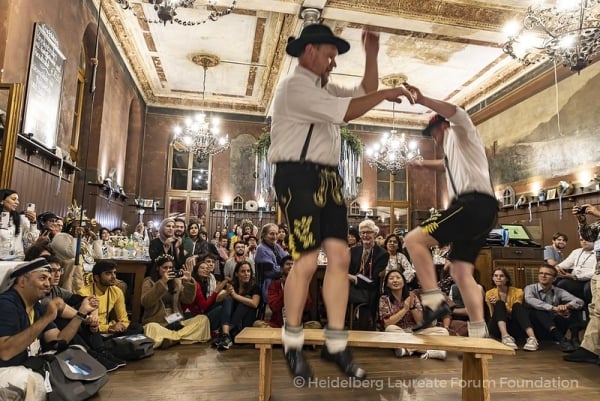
[(430, 315), (298, 365), (344, 361), (566, 345), (108, 364), (582, 355), (118, 361)]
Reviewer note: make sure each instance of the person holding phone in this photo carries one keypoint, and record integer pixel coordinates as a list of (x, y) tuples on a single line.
[(163, 297), (15, 228)]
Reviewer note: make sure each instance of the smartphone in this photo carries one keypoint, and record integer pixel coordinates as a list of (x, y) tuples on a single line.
[(4, 220), (31, 207)]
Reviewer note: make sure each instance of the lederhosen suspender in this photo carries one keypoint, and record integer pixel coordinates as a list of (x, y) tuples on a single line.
[(306, 143)]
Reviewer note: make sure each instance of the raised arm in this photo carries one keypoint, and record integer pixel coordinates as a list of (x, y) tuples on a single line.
[(370, 81)]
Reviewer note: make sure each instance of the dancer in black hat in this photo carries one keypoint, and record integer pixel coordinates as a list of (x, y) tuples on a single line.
[(308, 110)]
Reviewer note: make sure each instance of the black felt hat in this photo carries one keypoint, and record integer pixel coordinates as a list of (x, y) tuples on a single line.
[(315, 33)]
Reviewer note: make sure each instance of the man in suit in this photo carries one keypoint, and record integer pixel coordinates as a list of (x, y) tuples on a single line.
[(367, 261)]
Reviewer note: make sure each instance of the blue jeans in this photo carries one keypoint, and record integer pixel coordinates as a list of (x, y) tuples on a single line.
[(236, 315)]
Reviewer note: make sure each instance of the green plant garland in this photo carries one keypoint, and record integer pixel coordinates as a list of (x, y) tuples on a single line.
[(264, 141)]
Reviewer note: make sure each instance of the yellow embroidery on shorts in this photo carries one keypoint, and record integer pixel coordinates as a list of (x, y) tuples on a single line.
[(320, 196), (431, 224), (336, 190), (302, 231)]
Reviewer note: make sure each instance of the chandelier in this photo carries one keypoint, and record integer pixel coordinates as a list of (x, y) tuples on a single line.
[(567, 33), (201, 135), (165, 10), (393, 151)]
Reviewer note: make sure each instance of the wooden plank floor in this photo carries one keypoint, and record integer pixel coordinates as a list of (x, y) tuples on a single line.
[(198, 372)]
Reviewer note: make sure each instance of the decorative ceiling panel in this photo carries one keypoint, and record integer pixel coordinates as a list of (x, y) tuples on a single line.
[(451, 49)]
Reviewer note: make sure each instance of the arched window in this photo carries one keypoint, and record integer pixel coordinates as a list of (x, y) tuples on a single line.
[(238, 203)]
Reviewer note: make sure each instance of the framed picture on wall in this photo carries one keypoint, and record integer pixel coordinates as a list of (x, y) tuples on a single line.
[(551, 193)]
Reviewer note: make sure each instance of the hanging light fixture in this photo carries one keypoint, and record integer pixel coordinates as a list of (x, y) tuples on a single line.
[(165, 10), (393, 151), (201, 135), (565, 31)]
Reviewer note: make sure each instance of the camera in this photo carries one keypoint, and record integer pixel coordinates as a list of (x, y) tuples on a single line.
[(581, 209), (178, 273)]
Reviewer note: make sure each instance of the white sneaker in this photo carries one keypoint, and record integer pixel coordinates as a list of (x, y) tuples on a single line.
[(531, 344), (401, 352), (509, 341), (434, 354)]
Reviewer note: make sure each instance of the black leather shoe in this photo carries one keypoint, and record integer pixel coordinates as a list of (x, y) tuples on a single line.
[(430, 315), (344, 361), (565, 345), (582, 355), (298, 364)]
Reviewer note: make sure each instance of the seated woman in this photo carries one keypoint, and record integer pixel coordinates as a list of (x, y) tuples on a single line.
[(398, 261), (506, 307), (400, 309), (162, 297), (209, 295), (240, 306)]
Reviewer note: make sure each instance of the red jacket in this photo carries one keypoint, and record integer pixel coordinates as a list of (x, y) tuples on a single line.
[(201, 304), (275, 301)]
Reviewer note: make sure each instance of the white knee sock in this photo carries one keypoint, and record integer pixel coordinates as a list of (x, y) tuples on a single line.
[(292, 337)]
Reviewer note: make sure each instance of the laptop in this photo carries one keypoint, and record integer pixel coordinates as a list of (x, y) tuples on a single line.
[(518, 235)]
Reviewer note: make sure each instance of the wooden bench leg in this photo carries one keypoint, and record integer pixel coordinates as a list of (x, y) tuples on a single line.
[(475, 378), (265, 371)]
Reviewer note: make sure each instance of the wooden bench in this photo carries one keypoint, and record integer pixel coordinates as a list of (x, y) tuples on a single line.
[(476, 352)]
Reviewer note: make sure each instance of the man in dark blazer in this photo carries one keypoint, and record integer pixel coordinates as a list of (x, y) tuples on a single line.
[(367, 262)]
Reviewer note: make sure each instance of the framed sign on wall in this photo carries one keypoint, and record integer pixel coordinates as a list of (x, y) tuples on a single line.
[(44, 87)]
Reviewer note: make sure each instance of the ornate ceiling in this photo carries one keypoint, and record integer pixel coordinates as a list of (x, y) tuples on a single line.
[(450, 49)]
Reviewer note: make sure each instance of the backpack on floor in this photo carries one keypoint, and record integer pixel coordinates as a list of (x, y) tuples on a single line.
[(131, 347), (74, 374)]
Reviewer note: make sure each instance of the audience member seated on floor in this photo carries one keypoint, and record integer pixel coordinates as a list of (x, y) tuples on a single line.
[(551, 307), (508, 315), (209, 294), (88, 335), (589, 351), (275, 300), (575, 272), (239, 255), (239, 307), (162, 297), (111, 312), (400, 309), (457, 305), (553, 253), (267, 259), (25, 324), (398, 261), (367, 264), (17, 231)]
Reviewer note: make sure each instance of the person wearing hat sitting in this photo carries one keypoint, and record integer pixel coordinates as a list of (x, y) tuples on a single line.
[(25, 324), (467, 221), (308, 110), (112, 315)]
